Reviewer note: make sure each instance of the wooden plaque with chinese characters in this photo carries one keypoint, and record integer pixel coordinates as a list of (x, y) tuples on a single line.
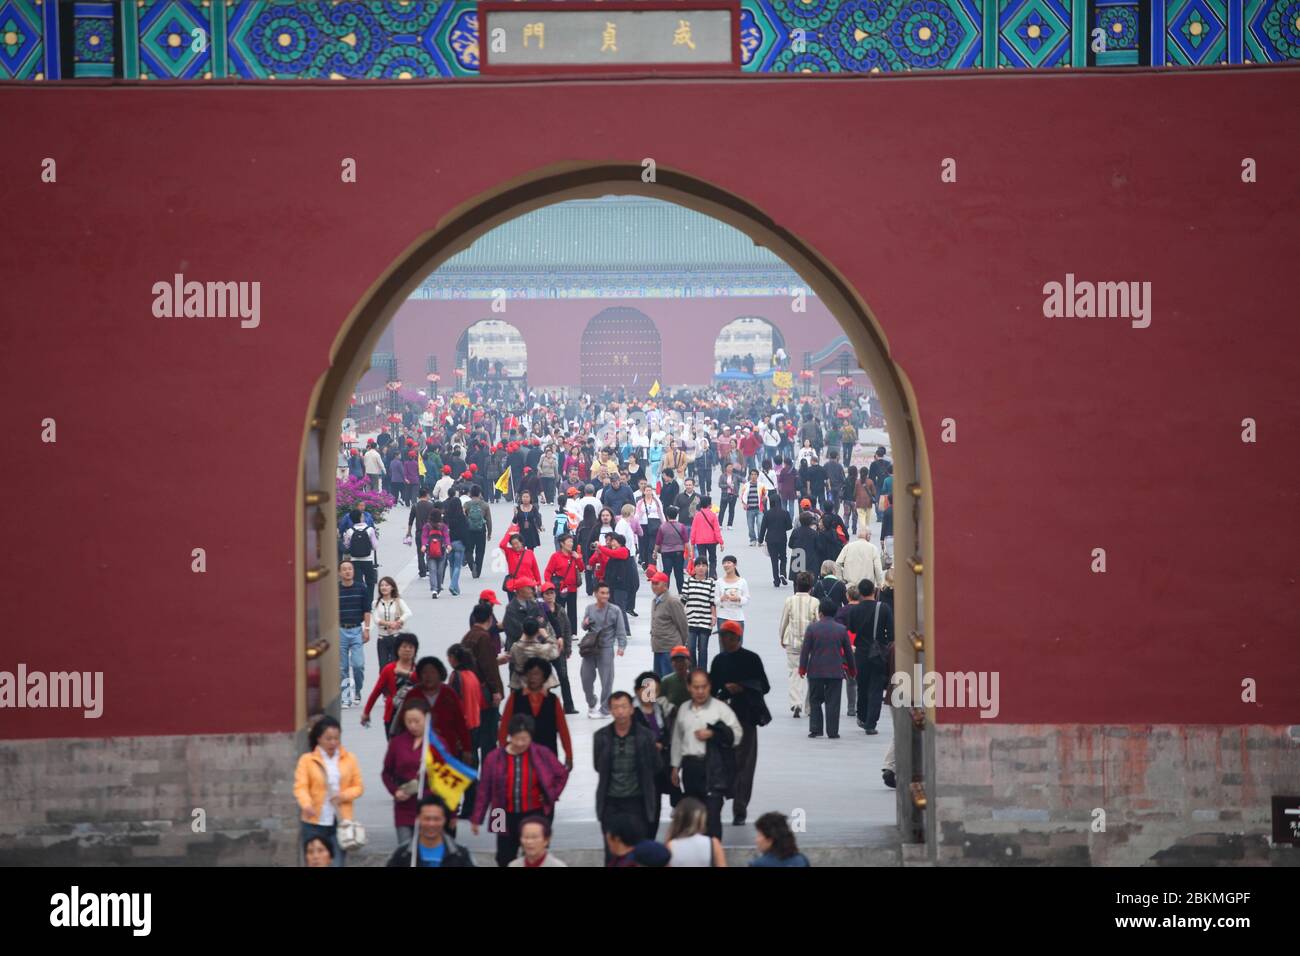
[(609, 37)]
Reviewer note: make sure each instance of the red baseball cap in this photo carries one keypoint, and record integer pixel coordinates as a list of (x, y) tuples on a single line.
[(473, 468), (680, 651), (524, 581), (446, 469), (732, 626), (659, 578), (488, 595), (547, 586), (805, 503)]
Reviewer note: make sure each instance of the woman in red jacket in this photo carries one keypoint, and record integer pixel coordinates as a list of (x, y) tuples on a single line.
[(520, 562), (445, 705), (567, 566), (394, 682)]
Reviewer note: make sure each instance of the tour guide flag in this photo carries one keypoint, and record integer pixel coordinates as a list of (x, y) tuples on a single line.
[(447, 776), (654, 389), (503, 483)]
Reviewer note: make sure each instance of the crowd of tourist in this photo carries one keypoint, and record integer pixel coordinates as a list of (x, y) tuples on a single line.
[(632, 495)]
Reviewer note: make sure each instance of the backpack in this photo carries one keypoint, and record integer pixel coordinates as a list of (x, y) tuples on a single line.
[(561, 524), (474, 515), (358, 545), (435, 545)]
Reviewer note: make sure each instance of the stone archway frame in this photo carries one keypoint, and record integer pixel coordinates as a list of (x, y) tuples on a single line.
[(478, 215)]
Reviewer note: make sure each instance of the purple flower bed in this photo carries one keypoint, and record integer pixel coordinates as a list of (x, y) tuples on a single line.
[(351, 492)]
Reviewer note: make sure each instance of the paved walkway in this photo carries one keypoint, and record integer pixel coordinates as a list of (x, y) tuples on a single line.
[(836, 783)]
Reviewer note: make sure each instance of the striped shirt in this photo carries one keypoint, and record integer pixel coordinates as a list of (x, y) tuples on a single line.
[(700, 597)]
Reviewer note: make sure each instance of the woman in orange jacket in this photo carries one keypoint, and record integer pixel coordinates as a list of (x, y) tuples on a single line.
[(326, 783)]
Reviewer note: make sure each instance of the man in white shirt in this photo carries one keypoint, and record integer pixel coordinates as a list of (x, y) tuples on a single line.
[(588, 498), (443, 485), (860, 559), (374, 467), (698, 720)]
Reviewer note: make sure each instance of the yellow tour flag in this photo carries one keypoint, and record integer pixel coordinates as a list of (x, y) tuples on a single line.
[(654, 389), (503, 483)]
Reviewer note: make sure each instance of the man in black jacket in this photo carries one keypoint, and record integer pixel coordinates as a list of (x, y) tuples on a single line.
[(872, 622), (626, 762), (434, 846), (739, 680), (523, 605), (668, 487), (805, 549), (416, 520)]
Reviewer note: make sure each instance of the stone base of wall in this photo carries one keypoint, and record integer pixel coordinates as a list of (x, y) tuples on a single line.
[(132, 800), (1172, 795)]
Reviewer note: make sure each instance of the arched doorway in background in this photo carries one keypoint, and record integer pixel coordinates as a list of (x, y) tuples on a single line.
[(492, 350), (747, 345), (317, 616), (621, 348)]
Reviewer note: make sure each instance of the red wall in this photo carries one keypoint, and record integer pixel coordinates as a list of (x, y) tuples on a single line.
[(552, 330), (183, 433)]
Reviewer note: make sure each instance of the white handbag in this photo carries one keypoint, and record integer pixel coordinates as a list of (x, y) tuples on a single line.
[(351, 835)]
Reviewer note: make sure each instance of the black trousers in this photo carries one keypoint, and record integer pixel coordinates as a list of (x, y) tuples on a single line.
[(674, 565), (570, 604), (386, 648), (709, 553), (728, 509), (746, 764), (489, 721), (824, 692), (475, 550), (562, 672), (421, 559), (777, 557), (647, 542), (693, 777), (871, 691), (368, 575)]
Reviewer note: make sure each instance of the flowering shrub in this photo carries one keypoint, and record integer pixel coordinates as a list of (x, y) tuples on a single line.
[(351, 492)]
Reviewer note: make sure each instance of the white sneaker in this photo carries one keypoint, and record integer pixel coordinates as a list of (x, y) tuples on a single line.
[(594, 713)]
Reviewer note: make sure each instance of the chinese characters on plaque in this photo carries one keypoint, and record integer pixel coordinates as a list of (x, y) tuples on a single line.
[(681, 36)]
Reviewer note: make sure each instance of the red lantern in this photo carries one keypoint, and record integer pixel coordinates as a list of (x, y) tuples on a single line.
[(434, 377), (845, 412), (806, 373), (393, 386), (460, 372), (843, 381), (395, 418)]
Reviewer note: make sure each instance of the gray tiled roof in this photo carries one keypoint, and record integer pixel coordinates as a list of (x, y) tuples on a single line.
[(615, 234)]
